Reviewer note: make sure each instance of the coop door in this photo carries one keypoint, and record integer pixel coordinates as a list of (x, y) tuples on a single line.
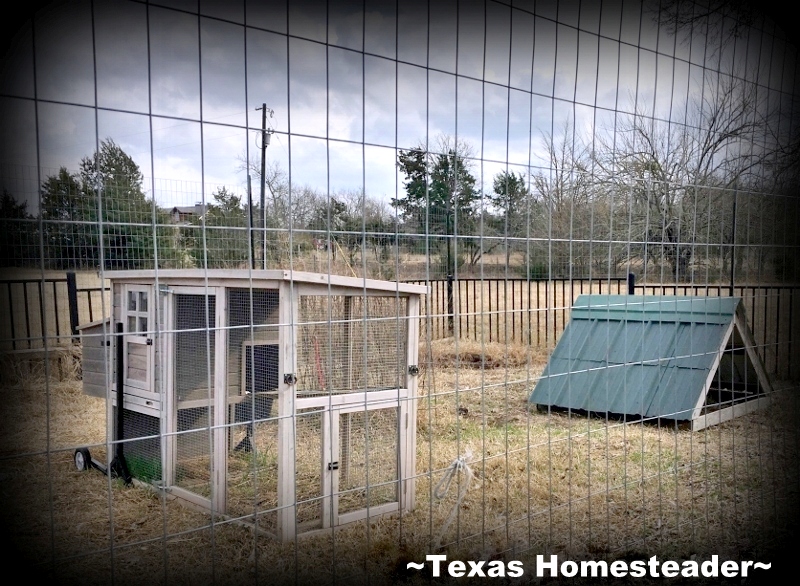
[(138, 340), (360, 462)]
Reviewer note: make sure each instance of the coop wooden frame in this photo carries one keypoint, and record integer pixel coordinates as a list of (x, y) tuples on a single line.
[(158, 400)]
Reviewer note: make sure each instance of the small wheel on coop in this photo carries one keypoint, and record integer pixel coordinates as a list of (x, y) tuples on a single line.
[(83, 460)]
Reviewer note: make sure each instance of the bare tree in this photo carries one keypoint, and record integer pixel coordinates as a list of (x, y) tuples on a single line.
[(721, 22), (562, 204), (282, 209), (680, 175)]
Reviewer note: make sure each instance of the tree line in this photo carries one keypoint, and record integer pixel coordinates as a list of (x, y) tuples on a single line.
[(656, 195)]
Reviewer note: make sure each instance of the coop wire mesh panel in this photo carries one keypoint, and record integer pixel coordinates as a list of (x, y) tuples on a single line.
[(349, 343), (194, 390), (252, 381)]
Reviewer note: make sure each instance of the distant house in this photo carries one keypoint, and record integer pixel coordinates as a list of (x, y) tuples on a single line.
[(185, 214)]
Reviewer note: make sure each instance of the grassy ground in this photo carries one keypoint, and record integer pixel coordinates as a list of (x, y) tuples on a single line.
[(541, 483)]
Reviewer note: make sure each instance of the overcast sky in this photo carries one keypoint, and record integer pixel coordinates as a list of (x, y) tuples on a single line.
[(347, 85)]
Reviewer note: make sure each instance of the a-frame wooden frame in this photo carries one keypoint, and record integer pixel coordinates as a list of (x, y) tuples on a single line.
[(737, 324)]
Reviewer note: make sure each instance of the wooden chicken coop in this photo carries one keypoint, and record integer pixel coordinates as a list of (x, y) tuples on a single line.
[(283, 396)]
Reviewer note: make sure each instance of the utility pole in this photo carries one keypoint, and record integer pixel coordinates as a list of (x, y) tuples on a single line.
[(265, 135), (733, 242)]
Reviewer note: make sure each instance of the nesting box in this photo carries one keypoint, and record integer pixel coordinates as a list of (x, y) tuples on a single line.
[(283, 396)]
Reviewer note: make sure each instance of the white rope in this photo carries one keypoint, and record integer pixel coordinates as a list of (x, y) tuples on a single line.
[(443, 487)]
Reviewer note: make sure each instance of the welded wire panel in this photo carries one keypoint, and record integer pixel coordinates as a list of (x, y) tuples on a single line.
[(509, 156), (194, 390), (351, 343)]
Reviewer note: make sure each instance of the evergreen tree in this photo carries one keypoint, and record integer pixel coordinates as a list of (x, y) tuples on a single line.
[(441, 198), (104, 203), (18, 237), (510, 197), (226, 242)]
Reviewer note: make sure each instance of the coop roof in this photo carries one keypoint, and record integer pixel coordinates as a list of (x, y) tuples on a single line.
[(652, 356), (260, 277)]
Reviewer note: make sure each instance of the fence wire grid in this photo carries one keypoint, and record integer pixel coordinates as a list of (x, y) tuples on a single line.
[(337, 245)]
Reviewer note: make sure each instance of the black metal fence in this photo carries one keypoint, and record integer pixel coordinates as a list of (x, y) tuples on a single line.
[(533, 312)]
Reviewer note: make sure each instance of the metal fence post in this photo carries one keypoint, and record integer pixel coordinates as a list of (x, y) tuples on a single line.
[(450, 303), (72, 297)]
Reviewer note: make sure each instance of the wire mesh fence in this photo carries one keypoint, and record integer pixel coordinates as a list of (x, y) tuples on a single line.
[(302, 269)]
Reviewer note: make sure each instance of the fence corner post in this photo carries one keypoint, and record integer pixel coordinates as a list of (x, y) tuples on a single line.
[(72, 297), (631, 283)]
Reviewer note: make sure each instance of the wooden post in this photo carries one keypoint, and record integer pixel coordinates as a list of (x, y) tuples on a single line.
[(344, 456), (287, 413)]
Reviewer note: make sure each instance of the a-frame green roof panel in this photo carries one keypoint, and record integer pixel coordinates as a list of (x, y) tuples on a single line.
[(639, 355)]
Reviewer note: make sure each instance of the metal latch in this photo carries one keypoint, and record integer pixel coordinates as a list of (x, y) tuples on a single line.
[(149, 341), (289, 379), (413, 370), (333, 466)]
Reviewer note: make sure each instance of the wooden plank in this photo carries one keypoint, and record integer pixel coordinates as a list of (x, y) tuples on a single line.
[(701, 400), (97, 364), (258, 279), (728, 413), (373, 512), (137, 374), (96, 379), (95, 327), (51, 352), (288, 308), (139, 404), (137, 361), (219, 463), (191, 497), (750, 347), (169, 414), (94, 389), (330, 478), (353, 402), (408, 411)]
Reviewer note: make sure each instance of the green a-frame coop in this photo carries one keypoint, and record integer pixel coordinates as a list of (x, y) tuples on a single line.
[(690, 359)]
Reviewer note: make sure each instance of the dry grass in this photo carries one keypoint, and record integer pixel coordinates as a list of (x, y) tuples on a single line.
[(544, 483)]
